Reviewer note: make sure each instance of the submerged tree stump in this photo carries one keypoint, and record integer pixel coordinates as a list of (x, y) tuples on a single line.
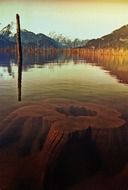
[(57, 143)]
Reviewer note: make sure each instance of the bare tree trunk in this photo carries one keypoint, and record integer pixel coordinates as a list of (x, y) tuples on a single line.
[(19, 56)]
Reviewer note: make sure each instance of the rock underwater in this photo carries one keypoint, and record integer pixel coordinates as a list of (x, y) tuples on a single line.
[(63, 144)]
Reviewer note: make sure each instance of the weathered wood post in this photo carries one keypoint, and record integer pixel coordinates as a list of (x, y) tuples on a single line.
[(19, 56)]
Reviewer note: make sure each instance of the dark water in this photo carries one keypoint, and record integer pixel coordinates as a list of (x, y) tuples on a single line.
[(102, 80), (93, 158)]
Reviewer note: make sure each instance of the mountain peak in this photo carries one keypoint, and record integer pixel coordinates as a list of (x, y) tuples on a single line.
[(117, 39), (7, 31), (28, 38)]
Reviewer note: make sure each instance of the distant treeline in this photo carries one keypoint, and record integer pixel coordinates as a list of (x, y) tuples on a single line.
[(66, 41), (70, 51)]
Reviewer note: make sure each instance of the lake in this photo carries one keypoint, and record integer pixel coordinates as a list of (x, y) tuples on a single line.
[(73, 133), (102, 80)]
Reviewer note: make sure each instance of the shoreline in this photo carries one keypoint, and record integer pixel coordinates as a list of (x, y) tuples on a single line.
[(70, 51)]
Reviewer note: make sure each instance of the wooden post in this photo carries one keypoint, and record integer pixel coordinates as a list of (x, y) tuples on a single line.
[(19, 56)]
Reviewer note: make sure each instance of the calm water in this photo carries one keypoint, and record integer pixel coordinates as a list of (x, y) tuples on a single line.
[(102, 80)]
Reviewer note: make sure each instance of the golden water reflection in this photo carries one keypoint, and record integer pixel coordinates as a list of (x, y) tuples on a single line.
[(65, 74)]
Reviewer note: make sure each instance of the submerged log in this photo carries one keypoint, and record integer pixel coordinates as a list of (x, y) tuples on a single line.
[(55, 144)]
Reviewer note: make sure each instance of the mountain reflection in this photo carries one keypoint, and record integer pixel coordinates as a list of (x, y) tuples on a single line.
[(117, 66), (7, 72)]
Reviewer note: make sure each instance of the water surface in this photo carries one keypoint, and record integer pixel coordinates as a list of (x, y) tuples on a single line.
[(87, 155), (102, 80)]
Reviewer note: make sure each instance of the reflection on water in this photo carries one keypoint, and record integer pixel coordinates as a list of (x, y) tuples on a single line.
[(86, 78), (116, 65), (96, 87)]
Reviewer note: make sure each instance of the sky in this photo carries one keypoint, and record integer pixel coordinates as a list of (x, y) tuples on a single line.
[(81, 19)]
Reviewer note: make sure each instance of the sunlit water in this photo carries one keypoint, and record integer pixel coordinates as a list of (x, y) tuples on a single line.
[(102, 81)]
